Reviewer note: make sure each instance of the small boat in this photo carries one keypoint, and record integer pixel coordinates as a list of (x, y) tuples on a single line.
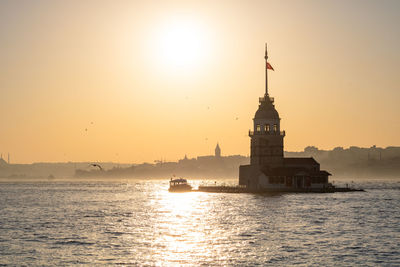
[(179, 185)]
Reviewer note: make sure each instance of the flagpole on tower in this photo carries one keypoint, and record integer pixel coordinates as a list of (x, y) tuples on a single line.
[(266, 70)]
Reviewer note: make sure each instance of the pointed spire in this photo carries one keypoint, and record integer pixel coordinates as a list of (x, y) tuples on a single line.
[(217, 151)]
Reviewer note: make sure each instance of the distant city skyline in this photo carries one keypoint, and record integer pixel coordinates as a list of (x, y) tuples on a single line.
[(140, 81)]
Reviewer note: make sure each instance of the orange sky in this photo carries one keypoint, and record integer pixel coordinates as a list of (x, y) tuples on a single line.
[(131, 81)]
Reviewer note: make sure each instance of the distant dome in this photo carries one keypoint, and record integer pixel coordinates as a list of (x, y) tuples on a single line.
[(266, 110)]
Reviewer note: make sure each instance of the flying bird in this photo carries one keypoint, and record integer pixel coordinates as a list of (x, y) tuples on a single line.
[(96, 165)]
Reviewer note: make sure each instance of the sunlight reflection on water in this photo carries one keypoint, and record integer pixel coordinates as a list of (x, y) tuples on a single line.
[(179, 226), (141, 223)]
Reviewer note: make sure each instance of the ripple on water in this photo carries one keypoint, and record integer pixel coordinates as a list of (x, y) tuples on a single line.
[(142, 224)]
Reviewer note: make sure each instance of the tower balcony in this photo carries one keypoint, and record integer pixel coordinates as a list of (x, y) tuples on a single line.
[(264, 98), (257, 133)]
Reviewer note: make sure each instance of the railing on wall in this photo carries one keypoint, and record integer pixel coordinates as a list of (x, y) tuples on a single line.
[(262, 99), (251, 133)]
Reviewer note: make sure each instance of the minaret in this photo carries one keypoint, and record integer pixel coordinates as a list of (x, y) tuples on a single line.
[(217, 151), (266, 137)]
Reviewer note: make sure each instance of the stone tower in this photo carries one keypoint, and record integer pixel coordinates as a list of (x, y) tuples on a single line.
[(266, 138), (268, 170)]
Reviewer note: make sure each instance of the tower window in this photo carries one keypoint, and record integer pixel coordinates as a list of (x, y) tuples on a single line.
[(266, 128), (258, 128), (275, 128)]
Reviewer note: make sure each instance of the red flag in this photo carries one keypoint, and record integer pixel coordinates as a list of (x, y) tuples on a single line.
[(270, 67)]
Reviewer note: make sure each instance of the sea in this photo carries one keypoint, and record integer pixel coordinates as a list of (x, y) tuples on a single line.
[(139, 223)]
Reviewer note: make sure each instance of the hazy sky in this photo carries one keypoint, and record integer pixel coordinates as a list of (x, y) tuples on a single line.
[(134, 81)]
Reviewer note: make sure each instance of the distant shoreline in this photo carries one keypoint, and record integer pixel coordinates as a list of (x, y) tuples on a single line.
[(355, 162)]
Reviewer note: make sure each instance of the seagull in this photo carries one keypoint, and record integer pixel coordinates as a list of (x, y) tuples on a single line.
[(96, 165)]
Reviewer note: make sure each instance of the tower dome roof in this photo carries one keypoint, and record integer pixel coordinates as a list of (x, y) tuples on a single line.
[(266, 110)]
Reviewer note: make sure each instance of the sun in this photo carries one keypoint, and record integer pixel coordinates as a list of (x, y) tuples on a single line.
[(181, 44)]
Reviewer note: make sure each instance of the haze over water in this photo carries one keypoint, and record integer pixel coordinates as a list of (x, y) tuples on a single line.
[(140, 223)]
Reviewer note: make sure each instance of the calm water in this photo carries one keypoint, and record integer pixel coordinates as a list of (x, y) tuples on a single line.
[(140, 223)]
